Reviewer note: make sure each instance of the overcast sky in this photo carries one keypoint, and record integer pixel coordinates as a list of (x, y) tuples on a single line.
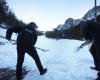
[(49, 13)]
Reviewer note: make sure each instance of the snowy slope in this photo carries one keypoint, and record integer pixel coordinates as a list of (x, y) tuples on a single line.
[(62, 61)]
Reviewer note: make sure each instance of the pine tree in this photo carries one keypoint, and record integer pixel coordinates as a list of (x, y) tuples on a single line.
[(3, 10), (7, 16)]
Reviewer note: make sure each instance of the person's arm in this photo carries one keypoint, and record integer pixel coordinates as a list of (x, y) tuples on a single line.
[(9, 33), (11, 30), (84, 44)]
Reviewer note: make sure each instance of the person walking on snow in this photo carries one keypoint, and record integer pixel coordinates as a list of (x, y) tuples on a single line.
[(26, 40)]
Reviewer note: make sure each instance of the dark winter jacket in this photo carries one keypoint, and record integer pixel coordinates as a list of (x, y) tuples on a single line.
[(27, 35), (94, 30), (93, 33)]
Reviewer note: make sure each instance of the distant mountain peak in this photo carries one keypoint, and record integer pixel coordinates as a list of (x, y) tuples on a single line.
[(91, 13), (70, 22)]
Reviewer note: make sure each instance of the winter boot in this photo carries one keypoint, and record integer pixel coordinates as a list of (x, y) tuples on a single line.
[(43, 71)]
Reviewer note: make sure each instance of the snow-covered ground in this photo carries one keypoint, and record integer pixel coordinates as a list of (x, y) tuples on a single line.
[(62, 60)]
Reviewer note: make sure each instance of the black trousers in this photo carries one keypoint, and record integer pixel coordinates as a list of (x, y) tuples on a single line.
[(20, 59), (96, 55)]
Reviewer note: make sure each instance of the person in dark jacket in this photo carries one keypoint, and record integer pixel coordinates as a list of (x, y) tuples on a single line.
[(91, 31), (26, 40), (93, 50)]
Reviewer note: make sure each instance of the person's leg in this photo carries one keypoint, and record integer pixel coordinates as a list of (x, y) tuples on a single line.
[(33, 53), (93, 53), (20, 60), (98, 60)]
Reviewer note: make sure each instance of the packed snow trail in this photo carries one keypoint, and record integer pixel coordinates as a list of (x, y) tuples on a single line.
[(62, 62)]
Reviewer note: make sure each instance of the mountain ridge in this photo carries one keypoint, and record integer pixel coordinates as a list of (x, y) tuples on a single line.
[(70, 22)]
